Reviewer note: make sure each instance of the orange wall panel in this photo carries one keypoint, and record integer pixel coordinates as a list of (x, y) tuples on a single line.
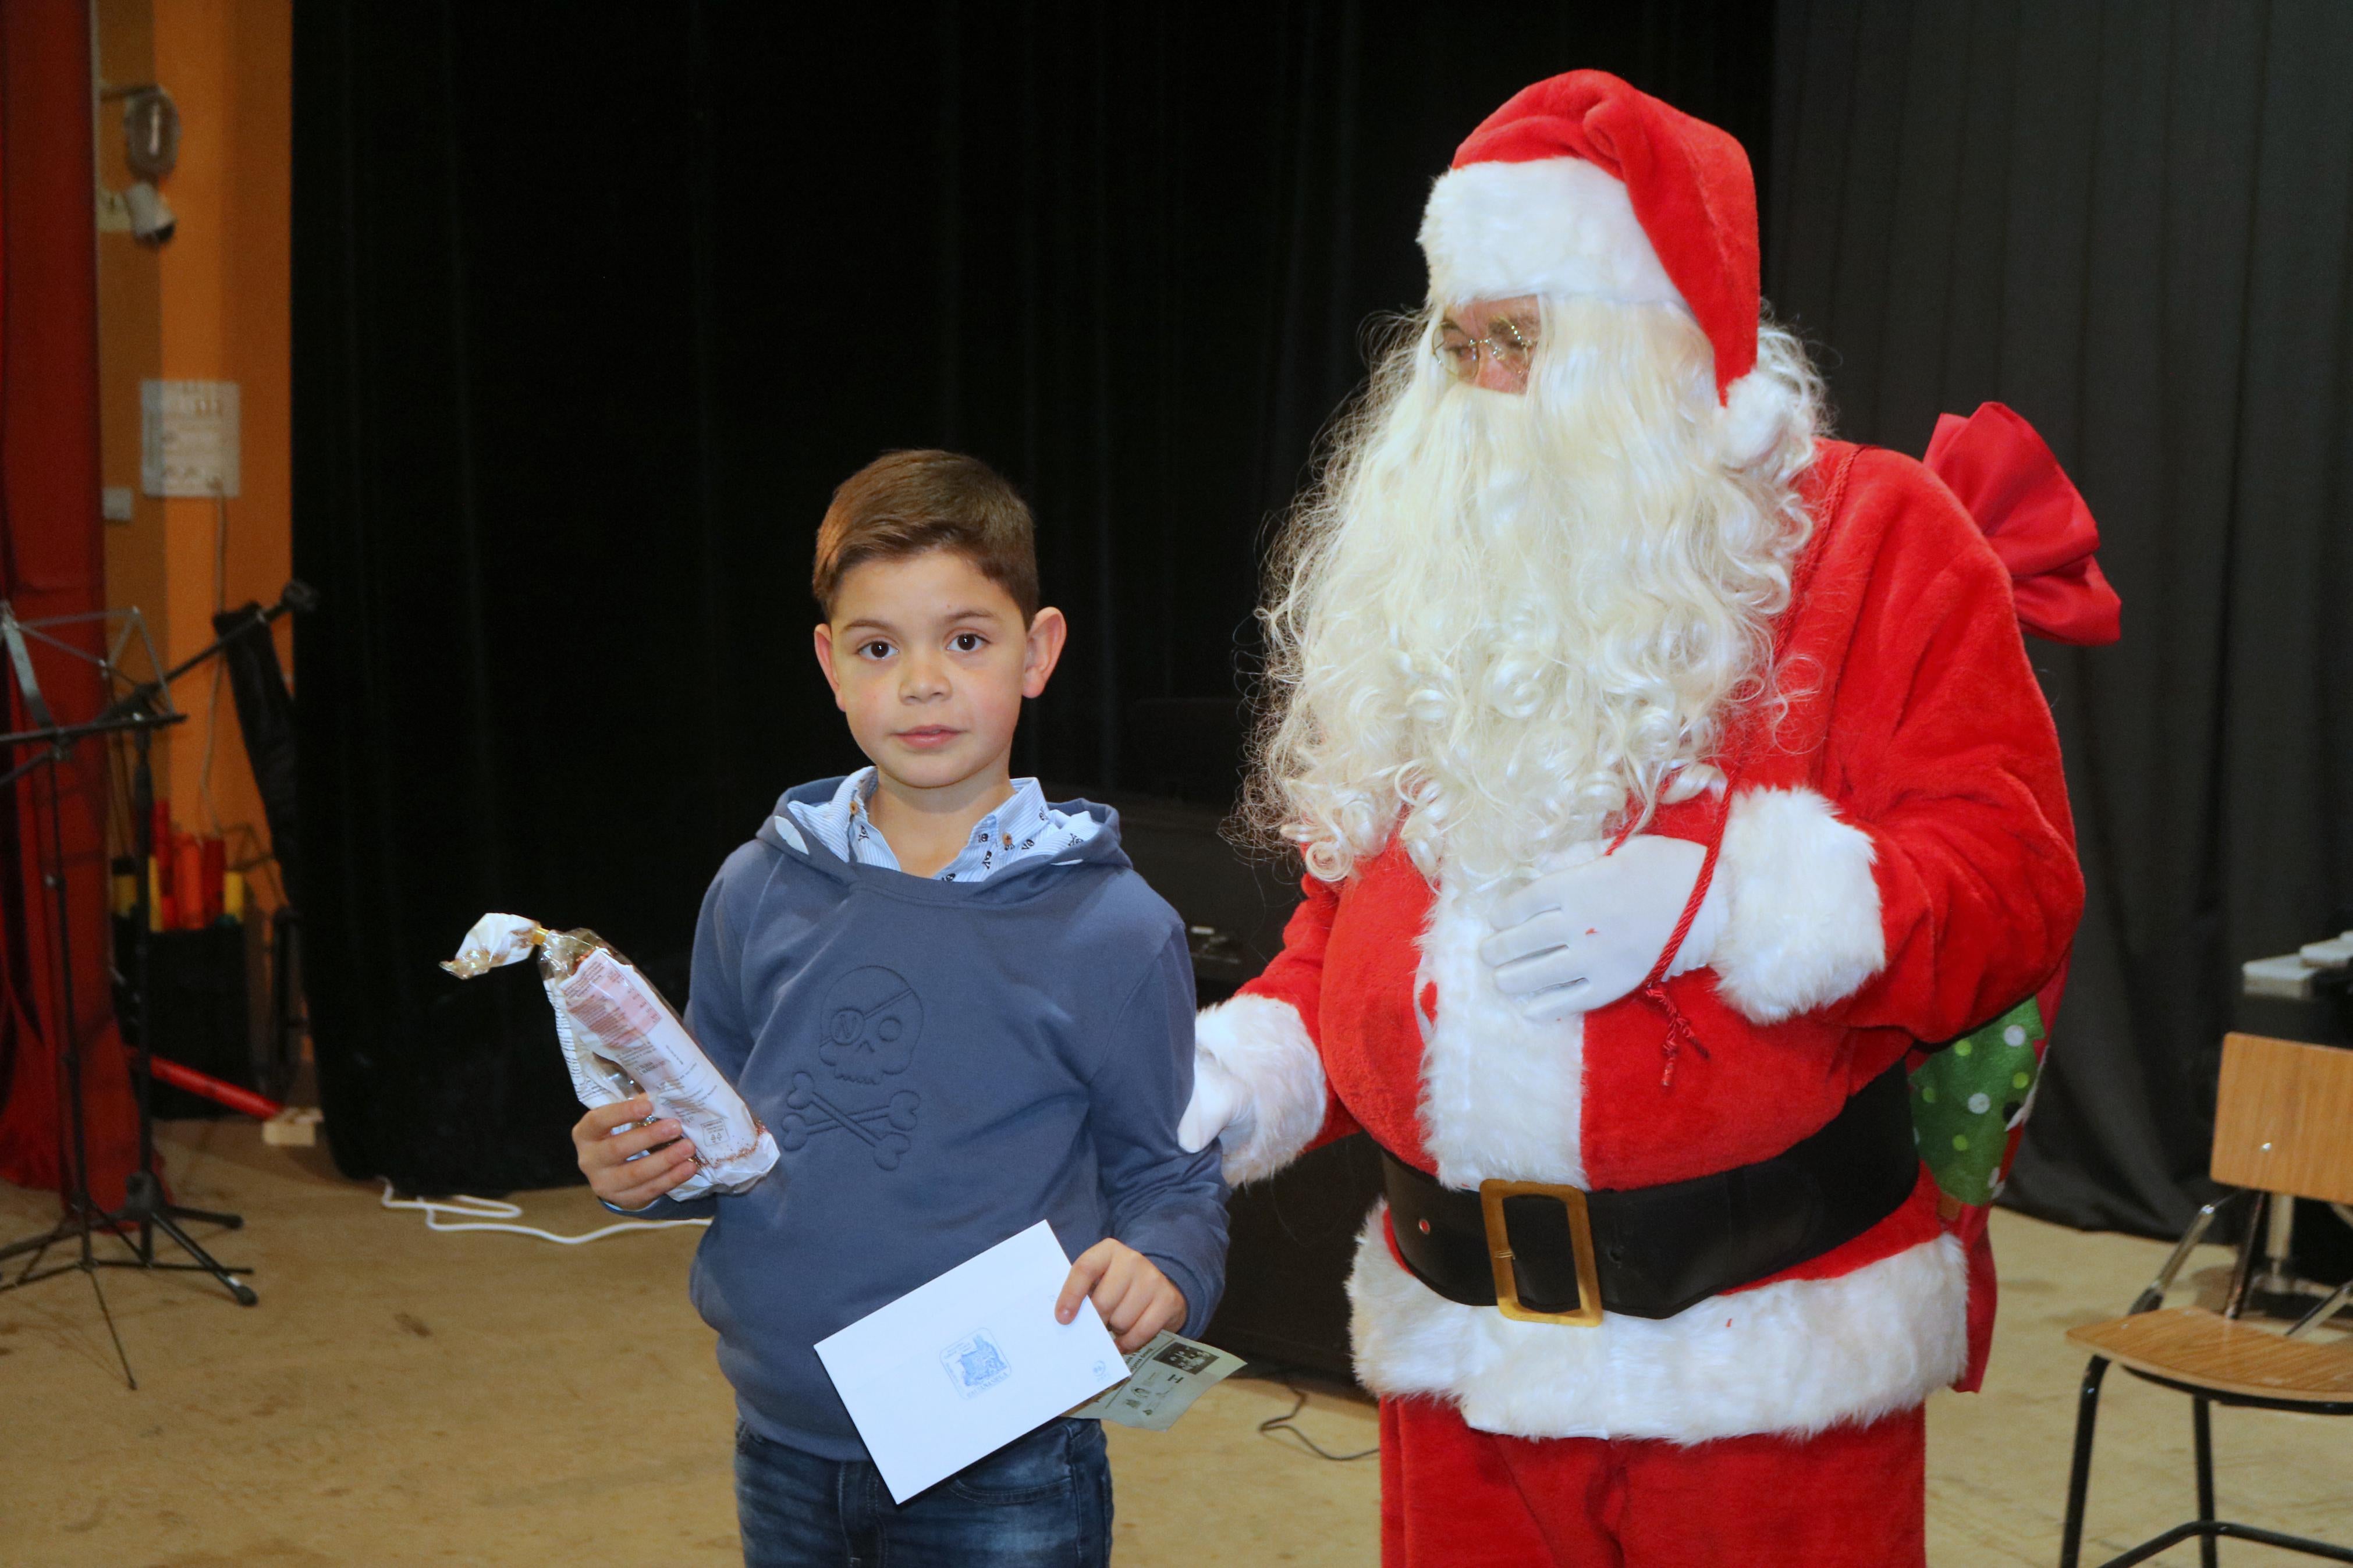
[(211, 303)]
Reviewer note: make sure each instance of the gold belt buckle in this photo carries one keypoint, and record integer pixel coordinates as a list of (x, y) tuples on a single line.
[(1587, 1311)]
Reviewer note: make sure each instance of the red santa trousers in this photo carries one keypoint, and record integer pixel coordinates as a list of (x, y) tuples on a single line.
[(1854, 1497)]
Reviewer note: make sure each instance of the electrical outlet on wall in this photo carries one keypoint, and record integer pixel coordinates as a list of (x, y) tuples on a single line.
[(189, 437), (115, 503)]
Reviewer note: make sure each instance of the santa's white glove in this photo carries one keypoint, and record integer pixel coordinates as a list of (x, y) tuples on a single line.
[(1575, 939), (1221, 1100)]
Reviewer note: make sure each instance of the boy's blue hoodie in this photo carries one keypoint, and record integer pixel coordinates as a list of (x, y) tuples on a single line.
[(943, 1065)]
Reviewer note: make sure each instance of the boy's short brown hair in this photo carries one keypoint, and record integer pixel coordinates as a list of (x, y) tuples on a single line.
[(904, 503)]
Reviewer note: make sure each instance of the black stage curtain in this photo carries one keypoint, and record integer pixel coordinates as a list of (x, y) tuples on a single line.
[(594, 304), (2129, 221)]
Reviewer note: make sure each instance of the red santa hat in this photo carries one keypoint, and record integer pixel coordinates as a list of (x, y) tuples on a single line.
[(1581, 185)]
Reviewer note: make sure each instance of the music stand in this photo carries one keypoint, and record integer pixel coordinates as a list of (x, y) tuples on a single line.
[(144, 707)]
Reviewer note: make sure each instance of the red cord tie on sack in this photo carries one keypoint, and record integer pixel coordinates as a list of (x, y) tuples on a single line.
[(1680, 1031)]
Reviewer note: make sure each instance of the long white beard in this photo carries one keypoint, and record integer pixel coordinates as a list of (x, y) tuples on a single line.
[(1503, 621)]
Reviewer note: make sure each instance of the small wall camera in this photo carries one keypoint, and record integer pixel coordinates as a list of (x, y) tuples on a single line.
[(152, 218), (150, 145)]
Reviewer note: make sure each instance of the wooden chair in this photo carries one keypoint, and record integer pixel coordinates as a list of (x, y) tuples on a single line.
[(2284, 1126)]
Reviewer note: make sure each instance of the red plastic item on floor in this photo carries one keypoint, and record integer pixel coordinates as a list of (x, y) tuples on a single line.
[(260, 1107)]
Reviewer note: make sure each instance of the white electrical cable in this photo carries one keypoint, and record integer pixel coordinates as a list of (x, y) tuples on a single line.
[(488, 1214)]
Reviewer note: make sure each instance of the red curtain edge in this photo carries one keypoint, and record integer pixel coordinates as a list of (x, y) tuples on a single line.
[(54, 564)]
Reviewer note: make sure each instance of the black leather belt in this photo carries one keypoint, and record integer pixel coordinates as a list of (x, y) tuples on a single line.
[(1557, 1254)]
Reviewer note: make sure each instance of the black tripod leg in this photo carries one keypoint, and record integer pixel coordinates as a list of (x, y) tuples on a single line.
[(35, 1244), (205, 1260), (202, 1216), (143, 1205), (114, 1333)]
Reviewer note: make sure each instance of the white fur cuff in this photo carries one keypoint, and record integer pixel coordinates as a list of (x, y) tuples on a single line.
[(1557, 226), (1804, 926), (1263, 1043)]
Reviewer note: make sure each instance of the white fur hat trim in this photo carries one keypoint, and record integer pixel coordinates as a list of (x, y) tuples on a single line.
[(1558, 227)]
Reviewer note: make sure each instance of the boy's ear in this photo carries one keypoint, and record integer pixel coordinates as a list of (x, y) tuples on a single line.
[(825, 662), (1043, 649)]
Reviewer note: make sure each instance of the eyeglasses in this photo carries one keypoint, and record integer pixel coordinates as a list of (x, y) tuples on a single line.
[(1509, 344)]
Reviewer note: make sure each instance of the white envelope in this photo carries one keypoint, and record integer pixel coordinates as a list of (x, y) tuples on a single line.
[(953, 1369)]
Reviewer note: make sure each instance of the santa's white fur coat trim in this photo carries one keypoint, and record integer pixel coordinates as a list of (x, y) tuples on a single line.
[(1804, 928), (1793, 1357), (1262, 1042), (1502, 1096)]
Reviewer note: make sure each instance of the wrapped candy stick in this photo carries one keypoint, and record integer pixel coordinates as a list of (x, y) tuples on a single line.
[(621, 1039)]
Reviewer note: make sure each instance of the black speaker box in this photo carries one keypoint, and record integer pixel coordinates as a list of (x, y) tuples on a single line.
[(199, 986)]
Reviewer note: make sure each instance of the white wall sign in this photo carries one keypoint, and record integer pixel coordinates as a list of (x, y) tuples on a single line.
[(189, 437)]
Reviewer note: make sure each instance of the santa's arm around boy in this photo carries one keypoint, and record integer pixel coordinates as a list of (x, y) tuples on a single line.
[(1664, 770)]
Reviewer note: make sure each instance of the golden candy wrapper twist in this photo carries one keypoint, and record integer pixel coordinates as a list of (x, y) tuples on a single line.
[(621, 1039)]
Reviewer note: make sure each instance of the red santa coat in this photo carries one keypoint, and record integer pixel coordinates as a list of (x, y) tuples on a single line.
[(1899, 866)]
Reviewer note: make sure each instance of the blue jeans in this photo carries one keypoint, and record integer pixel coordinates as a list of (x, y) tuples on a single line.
[(1041, 1501)]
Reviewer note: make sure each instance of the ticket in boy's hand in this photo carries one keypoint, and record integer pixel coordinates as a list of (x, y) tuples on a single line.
[(1164, 1376)]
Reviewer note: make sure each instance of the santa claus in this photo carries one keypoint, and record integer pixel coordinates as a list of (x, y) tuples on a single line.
[(1664, 771)]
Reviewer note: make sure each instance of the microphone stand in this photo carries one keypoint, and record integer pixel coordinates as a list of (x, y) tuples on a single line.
[(142, 1194), (139, 713)]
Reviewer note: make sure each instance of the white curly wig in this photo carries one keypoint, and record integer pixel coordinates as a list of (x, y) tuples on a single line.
[(1499, 623)]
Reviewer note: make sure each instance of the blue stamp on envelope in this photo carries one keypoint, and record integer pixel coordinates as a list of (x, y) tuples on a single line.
[(974, 1364)]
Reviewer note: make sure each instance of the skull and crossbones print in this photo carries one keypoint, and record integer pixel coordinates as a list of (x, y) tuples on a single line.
[(872, 1020)]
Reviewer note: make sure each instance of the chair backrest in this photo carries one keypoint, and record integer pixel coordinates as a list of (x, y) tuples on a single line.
[(2284, 1117)]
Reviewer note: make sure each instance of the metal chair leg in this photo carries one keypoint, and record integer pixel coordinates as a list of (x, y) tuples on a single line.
[(2201, 1428), (2079, 1477)]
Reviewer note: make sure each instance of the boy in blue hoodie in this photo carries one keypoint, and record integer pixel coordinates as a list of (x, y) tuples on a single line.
[(960, 1010)]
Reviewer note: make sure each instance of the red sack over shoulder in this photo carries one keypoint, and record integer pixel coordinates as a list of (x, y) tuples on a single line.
[(2034, 518)]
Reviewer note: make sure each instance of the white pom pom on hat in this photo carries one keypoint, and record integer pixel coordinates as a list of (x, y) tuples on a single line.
[(1756, 409), (1581, 185)]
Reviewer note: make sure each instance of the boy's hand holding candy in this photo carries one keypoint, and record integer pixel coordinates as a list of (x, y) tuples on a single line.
[(604, 1153)]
